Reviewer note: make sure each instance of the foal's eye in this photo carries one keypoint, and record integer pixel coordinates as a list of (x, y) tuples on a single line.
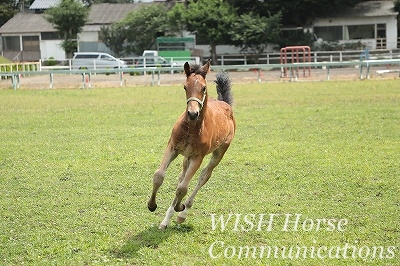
[(204, 89), (184, 87)]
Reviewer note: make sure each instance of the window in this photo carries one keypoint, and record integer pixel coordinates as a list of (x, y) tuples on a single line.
[(329, 33), (381, 31), (50, 36), (105, 57), (357, 32), (82, 56), (30, 43), (11, 43)]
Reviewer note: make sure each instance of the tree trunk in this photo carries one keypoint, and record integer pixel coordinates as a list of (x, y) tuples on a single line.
[(214, 59)]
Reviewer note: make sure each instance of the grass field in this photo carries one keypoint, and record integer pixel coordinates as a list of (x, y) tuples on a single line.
[(76, 172), (4, 60)]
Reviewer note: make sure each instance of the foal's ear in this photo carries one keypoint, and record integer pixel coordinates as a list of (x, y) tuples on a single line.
[(206, 67), (187, 69)]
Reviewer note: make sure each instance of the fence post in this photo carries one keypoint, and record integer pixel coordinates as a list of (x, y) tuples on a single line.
[(328, 72), (315, 58), (121, 77), (51, 80), (15, 81)]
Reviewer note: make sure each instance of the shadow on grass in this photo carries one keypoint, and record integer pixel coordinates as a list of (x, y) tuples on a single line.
[(151, 238)]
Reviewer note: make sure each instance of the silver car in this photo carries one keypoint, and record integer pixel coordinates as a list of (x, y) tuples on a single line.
[(95, 60)]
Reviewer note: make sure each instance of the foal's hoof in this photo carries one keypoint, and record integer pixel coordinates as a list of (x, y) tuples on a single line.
[(162, 227), (152, 208), (180, 220), (183, 207)]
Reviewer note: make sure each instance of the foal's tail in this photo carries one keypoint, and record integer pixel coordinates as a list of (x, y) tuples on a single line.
[(224, 87)]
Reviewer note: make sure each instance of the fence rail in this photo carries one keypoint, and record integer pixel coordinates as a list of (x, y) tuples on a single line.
[(293, 70), (316, 56)]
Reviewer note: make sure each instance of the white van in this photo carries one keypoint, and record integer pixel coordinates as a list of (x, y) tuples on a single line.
[(95, 60)]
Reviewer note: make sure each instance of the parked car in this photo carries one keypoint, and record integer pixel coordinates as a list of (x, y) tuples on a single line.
[(156, 61), (95, 60), (150, 58)]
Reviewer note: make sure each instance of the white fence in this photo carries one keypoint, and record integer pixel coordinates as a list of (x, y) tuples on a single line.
[(130, 61), (316, 56), (155, 72), (224, 60)]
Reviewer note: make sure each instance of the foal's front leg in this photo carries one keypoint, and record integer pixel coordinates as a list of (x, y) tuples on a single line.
[(169, 155), (190, 166)]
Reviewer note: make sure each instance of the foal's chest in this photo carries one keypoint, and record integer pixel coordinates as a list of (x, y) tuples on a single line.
[(190, 142)]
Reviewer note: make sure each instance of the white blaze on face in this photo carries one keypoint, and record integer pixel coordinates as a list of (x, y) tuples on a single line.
[(194, 103)]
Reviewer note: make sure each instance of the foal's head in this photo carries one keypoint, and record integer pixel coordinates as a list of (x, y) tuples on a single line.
[(196, 88)]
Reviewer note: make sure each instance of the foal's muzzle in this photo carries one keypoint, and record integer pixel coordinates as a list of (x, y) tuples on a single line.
[(193, 115)]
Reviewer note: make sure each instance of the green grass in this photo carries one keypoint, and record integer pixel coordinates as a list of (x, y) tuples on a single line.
[(76, 169), (4, 60)]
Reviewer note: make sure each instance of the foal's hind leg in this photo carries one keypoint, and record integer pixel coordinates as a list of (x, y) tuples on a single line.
[(158, 178), (203, 178)]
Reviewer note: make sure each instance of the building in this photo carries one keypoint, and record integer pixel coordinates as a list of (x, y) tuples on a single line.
[(30, 37), (373, 23)]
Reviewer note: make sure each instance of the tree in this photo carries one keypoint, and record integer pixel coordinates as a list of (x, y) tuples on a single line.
[(295, 13), (144, 26), (68, 17), (252, 33), (176, 18), (300, 13), (397, 5), (258, 7), (90, 2), (114, 37), (138, 30), (209, 19), (8, 8)]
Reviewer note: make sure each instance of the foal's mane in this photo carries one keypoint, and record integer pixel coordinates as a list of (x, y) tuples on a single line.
[(196, 69)]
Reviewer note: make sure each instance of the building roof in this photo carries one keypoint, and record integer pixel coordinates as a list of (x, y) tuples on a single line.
[(26, 23), (99, 14), (107, 13), (367, 9), (44, 4)]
